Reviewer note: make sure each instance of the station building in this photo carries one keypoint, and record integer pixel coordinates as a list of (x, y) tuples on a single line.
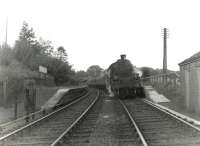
[(190, 82)]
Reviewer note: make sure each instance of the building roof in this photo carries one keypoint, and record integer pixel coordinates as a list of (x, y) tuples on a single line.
[(193, 58)]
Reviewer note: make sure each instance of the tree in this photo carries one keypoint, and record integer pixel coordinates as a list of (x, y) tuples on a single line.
[(61, 54), (81, 75), (46, 47), (148, 71), (26, 46), (61, 71), (29, 51), (27, 33), (32, 53), (94, 71)]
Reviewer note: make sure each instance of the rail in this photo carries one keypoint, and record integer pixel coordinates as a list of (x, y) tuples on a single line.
[(75, 122), (135, 125), (171, 114), (160, 127)]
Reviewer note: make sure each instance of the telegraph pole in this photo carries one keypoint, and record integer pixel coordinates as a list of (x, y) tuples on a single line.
[(6, 32), (5, 81), (165, 36)]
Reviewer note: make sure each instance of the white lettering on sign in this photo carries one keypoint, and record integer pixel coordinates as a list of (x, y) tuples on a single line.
[(42, 69)]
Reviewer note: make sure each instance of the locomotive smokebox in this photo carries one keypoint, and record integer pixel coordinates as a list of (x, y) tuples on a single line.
[(123, 56), (123, 79)]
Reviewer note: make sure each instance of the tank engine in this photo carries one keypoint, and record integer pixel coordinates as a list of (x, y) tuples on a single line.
[(123, 79)]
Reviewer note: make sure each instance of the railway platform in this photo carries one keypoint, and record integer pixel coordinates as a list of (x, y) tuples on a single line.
[(58, 96)]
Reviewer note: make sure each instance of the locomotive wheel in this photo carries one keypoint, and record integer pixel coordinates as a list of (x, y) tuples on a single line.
[(122, 93), (132, 92), (140, 92), (116, 92)]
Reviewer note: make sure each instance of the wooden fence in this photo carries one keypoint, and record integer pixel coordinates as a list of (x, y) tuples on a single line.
[(170, 80), (166, 84)]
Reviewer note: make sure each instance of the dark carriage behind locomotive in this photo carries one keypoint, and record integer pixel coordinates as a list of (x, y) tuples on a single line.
[(124, 80)]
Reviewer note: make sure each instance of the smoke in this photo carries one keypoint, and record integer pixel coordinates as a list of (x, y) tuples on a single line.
[(108, 86), (137, 70), (111, 94)]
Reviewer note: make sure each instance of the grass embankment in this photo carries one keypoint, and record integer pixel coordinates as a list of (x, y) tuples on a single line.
[(177, 101), (173, 94), (43, 94), (15, 73)]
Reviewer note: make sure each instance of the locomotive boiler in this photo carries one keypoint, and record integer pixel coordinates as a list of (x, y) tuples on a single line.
[(124, 80)]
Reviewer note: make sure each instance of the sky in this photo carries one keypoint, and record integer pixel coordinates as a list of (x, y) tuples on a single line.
[(96, 32)]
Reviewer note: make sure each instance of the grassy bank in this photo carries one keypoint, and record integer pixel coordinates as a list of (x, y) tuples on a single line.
[(174, 94), (43, 94)]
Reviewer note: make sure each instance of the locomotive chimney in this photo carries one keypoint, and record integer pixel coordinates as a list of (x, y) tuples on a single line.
[(123, 57)]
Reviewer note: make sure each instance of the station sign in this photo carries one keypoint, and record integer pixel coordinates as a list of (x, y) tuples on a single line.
[(42, 69)]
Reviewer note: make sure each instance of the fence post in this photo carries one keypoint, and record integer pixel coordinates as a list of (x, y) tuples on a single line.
[(5, 91), (15, 112)]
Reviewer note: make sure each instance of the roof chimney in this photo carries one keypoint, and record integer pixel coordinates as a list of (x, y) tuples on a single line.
[(123, 57)]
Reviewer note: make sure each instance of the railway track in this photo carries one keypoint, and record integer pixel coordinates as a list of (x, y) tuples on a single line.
[(108, 122), (46, 130), (79, 132), (161, 128), (105, 121), (20, 122)]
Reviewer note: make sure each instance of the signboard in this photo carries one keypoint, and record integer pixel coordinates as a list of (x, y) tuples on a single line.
[(42, 69)]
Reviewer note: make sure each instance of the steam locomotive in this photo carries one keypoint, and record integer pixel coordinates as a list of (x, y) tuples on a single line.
[(123, 79)]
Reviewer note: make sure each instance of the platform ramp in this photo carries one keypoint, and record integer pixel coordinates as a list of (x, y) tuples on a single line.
[(153, 95), (57, 97)]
